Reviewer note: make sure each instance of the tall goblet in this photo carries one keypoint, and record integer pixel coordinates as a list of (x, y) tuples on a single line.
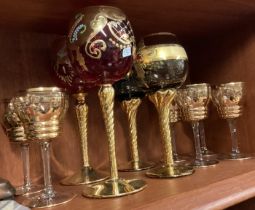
[(75, 81), (228, 99), (162, 64), (194, 100), (16, 134), (130, 93), (41, 111), (101, 42)]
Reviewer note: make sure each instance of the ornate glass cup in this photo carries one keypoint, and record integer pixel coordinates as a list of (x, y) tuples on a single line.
[(16, 134), (162, 64), (130, 92), (75, 82), (101, 42), (228, 99), (41, 111), (194, 100)]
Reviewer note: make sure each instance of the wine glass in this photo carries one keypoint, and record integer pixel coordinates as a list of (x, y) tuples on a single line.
[(194, 100), (71, 78), (228, 99), (101, 42), (15, 131), (41, 110), (130, 92), (162, 64)]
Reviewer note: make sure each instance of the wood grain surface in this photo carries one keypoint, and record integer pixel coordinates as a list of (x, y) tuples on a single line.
[(208, 189), (187, 18)]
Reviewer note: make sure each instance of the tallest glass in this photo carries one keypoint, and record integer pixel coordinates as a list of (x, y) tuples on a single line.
[(162, 64), (101, 43)]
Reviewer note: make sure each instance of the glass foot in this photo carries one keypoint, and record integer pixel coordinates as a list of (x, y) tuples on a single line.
[(86, 175), (209, 155), (182, 159), (170, 171), (236, 156), (132, 166), (43, 200), (114, 188), (27, 190), (205, 163)]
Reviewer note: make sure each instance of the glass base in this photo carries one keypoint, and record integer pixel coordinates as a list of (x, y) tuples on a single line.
[(205, 163), (132, 166), (27, 190), (114, 188), (42, 201), (236, 156), (86, 175), (209, 155), (182, 159), (170, 171)]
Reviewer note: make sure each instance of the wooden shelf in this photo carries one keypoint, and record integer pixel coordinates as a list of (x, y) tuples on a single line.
[(219, 187), (188, 19)]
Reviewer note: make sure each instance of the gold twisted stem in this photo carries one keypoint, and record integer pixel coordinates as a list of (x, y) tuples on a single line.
[(81, 109), (162, 100), (106, 97), (130, 107)]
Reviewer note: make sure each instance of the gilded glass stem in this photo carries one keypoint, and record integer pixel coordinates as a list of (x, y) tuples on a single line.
[(162, 101), (106, 97), (81, 109), (130, 107)]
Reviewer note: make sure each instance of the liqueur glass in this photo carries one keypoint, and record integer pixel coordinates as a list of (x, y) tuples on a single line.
[(162, 65), (41, 110), (101, 42), (15, 131), (194, 100), (228, 98)]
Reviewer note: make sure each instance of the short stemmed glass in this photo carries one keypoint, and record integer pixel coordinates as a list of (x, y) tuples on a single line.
[(15, 132), (41, 111), (228, 99), (194, 100)]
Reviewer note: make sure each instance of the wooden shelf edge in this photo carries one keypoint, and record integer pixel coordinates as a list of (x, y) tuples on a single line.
[(219, 195)]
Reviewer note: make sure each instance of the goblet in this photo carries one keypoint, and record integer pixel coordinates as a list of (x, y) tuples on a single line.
[(130, 93), (101, 42), (162, 64), (228, 99), (41, 111), (75, 81), (15, 132), (194, 100)]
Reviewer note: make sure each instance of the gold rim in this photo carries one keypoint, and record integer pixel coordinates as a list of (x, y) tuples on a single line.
[(198, 85), (44, 89), (160, 33), (232, 83)]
